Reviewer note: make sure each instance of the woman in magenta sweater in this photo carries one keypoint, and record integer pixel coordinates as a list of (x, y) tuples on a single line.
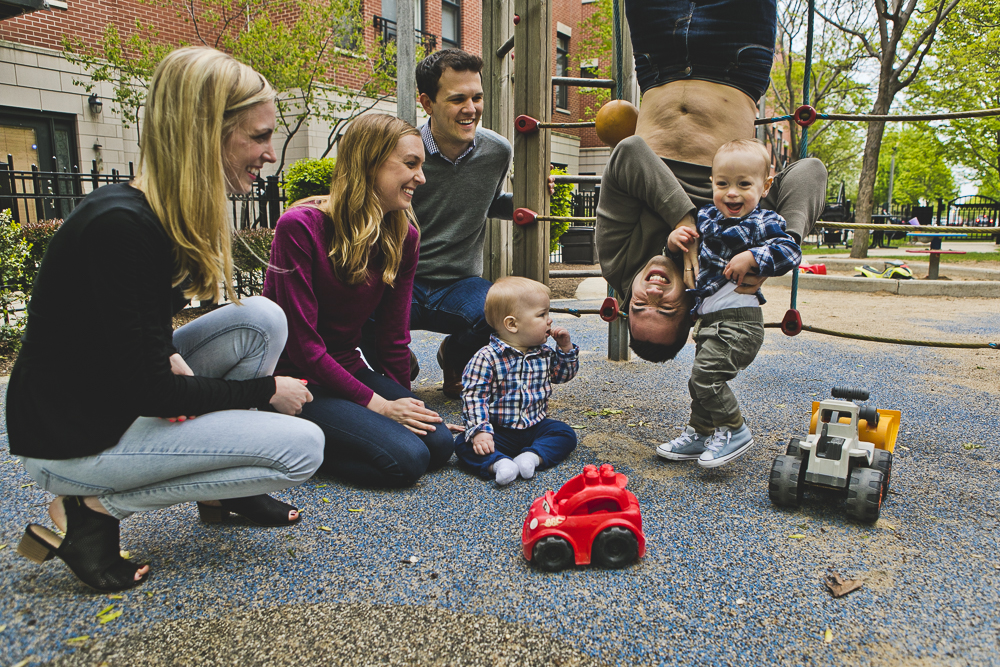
[(337, 261)]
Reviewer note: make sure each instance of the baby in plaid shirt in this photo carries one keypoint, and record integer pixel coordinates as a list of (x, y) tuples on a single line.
[(507, 384), (737, 238)]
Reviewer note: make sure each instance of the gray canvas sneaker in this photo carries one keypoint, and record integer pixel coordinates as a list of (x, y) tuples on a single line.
[(688, 445), (725, 445)]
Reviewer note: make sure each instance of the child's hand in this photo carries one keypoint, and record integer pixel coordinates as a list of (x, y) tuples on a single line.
[(682, 239), (482, 443), (740, 266), (561, 336)]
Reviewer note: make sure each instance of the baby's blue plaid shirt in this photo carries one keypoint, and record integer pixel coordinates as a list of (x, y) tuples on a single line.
[(761, 231), (511, 387)]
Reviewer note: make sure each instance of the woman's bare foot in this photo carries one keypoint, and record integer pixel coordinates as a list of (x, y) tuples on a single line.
[(58, 515)]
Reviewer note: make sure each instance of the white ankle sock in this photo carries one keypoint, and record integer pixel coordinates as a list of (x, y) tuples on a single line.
[(526, 463), (506, 471)]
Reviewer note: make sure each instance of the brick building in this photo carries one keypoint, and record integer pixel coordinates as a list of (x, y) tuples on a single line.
[(48, 120)]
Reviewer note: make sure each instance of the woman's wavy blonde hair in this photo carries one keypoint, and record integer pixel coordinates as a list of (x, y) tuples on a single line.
[(356, 217), (197, 98)]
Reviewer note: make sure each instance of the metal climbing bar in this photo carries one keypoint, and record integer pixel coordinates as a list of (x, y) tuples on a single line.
[(576, 178), (892, 341), (981, 113), (582, 83)]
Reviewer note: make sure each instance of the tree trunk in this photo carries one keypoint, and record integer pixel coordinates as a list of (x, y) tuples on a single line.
[(869, 170)]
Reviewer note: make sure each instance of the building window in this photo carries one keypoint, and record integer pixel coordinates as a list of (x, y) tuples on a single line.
[(562, 69), (588, 68), (451, 24)]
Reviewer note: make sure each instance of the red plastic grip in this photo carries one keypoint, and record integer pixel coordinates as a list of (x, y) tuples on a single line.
[(524, 216), (791, 323), (609, 309), (805, 116), (525, 124), (517, 19)]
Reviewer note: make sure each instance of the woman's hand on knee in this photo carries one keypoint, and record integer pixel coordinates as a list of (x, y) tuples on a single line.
[(290, 394), (410, 412)]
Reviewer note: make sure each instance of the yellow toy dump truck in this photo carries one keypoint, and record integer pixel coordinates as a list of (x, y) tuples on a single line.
[(849, 448)]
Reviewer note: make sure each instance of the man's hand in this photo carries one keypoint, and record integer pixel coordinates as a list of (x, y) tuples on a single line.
[(552, 184), (561, 336), (740, 266), (482, 443), (179, 367), (691, 252)]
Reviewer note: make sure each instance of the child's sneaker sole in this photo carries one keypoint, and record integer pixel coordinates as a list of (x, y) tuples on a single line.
[(675, 456), (731, 456)]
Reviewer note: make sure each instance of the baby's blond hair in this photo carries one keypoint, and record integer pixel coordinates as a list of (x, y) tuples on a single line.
[(750, 147), (504, 296)]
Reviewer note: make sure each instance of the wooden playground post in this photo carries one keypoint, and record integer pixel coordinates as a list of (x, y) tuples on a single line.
[(498, 25), (532, 97)]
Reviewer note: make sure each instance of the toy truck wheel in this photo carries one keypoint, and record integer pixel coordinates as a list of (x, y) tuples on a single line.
[(793, 449), (615, 547), (552, 554), (864, 494), (882, 461), (787, 481)]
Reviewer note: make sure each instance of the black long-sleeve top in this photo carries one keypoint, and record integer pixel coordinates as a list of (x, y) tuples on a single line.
[(96, 351)]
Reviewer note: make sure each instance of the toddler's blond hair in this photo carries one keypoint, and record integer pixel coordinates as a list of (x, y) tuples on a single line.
[(504, 296), (750, 147)]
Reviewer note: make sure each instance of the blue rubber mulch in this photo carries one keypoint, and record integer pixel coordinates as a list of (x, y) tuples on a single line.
[(722, 581)]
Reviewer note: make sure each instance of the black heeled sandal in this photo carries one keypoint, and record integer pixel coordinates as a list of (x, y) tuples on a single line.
[(90, 548), (262, 510)]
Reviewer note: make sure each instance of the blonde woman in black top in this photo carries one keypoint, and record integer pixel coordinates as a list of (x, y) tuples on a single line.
[(118, 414)]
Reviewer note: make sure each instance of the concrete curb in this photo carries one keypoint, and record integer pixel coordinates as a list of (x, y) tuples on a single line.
[(952, 269)]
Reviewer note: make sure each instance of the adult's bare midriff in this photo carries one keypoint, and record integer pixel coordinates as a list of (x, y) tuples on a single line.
[(688, 120)]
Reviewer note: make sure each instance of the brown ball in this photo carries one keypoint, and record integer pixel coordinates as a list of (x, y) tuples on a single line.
[(616, 121)]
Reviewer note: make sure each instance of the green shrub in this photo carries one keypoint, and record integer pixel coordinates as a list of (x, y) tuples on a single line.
[(14, 252), (38, 235), (308, 178), (250, 242), (10, 340), (561, 204)]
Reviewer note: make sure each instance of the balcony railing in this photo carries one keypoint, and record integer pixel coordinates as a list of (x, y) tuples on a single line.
[(387, 30)]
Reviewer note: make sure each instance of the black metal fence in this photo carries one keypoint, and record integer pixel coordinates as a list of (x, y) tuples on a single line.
[(386, 29), (36, 196)]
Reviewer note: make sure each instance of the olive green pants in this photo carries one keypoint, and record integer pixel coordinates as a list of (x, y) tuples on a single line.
[(727, 342)]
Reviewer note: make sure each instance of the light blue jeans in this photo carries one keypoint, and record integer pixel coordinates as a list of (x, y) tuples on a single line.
[(226, 454)]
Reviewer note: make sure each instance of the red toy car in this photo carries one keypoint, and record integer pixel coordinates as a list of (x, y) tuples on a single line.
[(592, 517)]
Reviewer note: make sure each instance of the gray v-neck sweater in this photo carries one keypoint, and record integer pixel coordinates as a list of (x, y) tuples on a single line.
[(452, 207)]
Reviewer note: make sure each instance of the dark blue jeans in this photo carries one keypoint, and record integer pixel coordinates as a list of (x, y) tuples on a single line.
[(455, 309), (725, 41), (551, 439), (367, 449)]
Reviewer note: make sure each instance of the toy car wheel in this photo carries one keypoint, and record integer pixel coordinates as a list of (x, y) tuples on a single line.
[(615, 547), (882, 461), (552, 554), (864, 494), (787, 481)]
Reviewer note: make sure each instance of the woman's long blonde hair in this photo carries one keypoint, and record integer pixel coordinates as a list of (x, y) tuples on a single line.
[(197, 98), (356, 218)]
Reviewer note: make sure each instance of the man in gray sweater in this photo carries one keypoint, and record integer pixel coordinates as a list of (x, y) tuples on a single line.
[(465, 167)]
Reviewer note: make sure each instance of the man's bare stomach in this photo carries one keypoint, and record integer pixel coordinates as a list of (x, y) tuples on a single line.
[(688, 120)]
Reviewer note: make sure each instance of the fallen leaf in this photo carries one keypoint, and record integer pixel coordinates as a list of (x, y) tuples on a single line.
[(322, 486), (2, 628), (796, 536), (81, 638), (326, 528), (354, 510), (578, 426), (107, 618), (828, 636), (2, 547), (967, 445), (23, 662), (116, 597), (840, 586), (105, 610), (125, 554), (326, 500), (24, 486)]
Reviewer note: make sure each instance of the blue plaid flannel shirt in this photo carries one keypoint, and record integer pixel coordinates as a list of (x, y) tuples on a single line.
[(511, 387), (761, 231)]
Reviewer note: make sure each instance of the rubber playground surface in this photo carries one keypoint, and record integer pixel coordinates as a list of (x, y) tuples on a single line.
[(434, 574)]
